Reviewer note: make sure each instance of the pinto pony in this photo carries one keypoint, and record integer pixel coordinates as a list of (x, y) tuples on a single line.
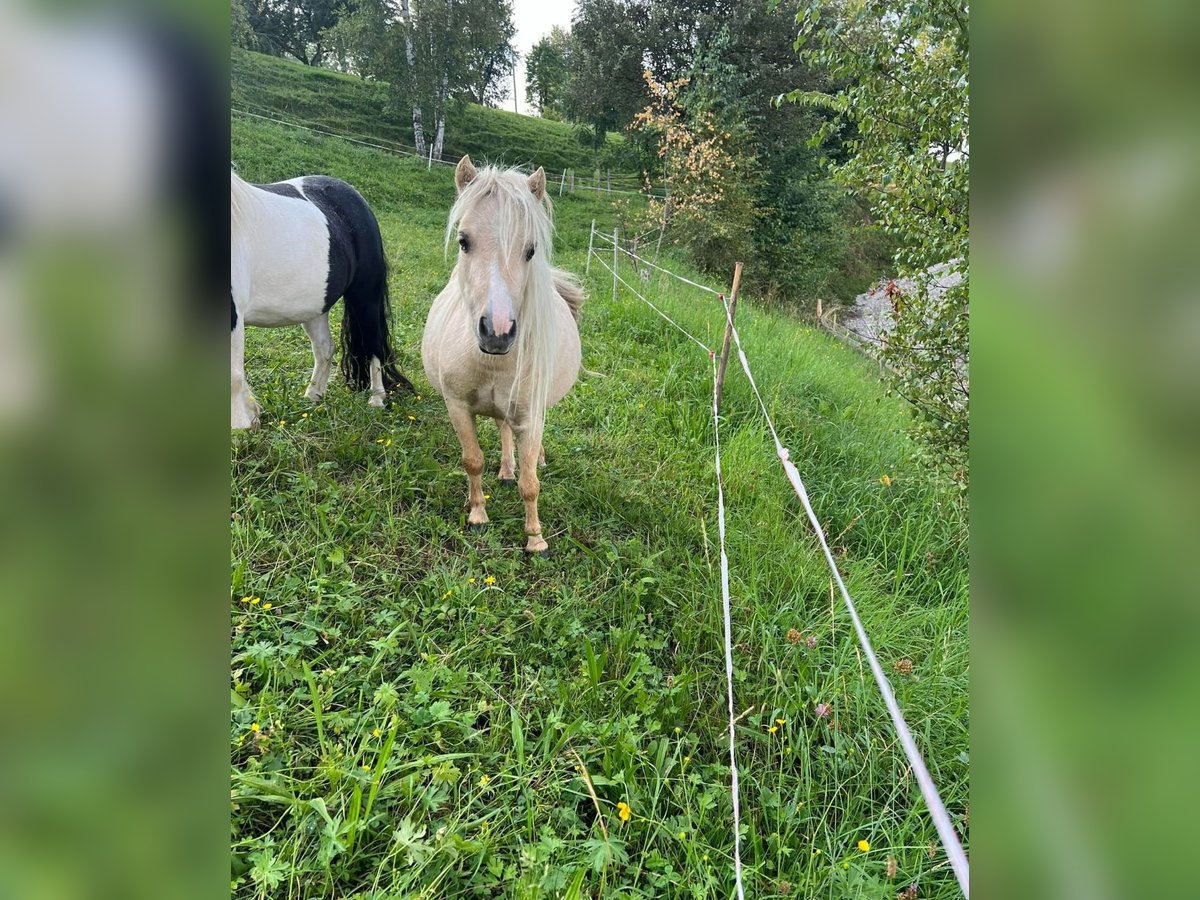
[(502, 339), (297, 247)]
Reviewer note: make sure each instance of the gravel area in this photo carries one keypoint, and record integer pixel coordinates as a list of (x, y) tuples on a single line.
[(870, 318)]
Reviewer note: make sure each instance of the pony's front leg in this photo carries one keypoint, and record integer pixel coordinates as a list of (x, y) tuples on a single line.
[(508, 464), (463, 421), (243, 409), (529, 442), (322, 349)]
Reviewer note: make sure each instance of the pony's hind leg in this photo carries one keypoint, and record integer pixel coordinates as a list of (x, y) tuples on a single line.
[(463, 421), (378, 392), (529, 440), (322, 348), (508, 464)]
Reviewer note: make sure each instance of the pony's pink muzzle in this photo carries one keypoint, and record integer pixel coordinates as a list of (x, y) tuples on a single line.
[(492, 343)]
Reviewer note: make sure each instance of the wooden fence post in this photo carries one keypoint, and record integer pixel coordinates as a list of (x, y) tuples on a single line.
[(591, 237), (614, 265), (610, 181), (572, 181), (597, 179), (733, 295), (561, 182), (820, 313)]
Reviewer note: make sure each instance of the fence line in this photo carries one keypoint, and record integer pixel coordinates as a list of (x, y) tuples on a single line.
[(725, 604), (933, 800), (633, 255), (401, 150), (635, 292)]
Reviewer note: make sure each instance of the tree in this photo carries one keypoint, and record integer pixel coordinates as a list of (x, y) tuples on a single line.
[(294, 28), (546, 73), (429, 52), (902, 106), (708, 173), (605, 58), (487, 55)]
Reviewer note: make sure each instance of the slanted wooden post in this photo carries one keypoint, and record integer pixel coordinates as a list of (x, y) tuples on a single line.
[(597, 179), (733, 295), (610, 181), (561, 182), (587, 270), (614, 265), (572, 181), (430, 164), (820, 313)]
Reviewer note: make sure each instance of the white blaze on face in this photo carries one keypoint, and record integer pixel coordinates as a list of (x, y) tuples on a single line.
[(500, 303)]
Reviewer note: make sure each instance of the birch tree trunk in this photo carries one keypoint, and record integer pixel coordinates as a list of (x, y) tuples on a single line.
[(418, 126), (441, 117)]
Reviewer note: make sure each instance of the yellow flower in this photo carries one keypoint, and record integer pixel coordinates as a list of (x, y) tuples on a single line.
[(376, 733), (885, 480), (487, 496), (388, 442), (773, 729), (412, 418), (245, 599), (266, 606), (470, 581), (304, 415), (683, 835), (254, 727), (781, 721), (483, 780), (254, 601), (489, 580), (624, 811), (686, 760), (864, 846), (448, 593)]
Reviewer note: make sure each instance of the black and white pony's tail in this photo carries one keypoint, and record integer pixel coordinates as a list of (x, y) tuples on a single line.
[(365, 335)]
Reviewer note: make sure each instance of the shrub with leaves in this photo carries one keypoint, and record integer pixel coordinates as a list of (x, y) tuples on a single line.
[(708, 175), (901, 108)]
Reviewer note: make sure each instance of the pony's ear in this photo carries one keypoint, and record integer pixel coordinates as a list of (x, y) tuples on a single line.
[(464, 173), (537, 183)]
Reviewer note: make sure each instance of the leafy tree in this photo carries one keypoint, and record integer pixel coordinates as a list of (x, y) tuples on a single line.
[(546, 73), (293, 28), (903, 110), (429, 53), (708, 173), (240, 30), (487, 53), (605, 59)]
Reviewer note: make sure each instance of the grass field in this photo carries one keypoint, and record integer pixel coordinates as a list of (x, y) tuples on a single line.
[(268, 85), (412, 704)]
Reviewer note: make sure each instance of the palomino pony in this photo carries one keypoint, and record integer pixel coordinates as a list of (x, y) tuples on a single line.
[(296, 247), (503, 294)]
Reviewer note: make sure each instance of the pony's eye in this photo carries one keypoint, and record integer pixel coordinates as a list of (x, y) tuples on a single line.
[(465, 243), (529, 252)]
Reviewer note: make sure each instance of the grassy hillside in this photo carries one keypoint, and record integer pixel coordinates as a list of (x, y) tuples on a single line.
[(410, 714), (268, 85)]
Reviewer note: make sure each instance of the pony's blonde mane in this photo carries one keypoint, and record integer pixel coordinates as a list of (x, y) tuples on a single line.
[(522, 220)]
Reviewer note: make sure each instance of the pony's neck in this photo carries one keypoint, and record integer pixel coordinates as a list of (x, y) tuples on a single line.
[(244, 201)]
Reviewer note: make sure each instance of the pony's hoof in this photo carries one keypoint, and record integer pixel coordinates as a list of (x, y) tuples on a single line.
[(544, 553), (508, 482), (477, 527)]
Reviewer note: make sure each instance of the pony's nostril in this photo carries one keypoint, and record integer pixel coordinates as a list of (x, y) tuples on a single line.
[(484, 331)]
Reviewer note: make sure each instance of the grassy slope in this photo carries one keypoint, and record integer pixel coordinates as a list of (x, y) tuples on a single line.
[(348, 105), (613, 647)]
